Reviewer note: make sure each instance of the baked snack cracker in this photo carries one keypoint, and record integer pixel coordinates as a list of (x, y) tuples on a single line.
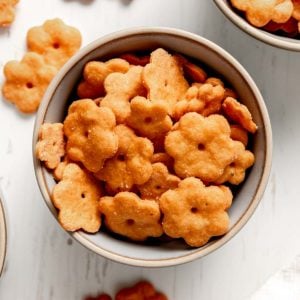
[(76, 197), (90, 134), (94, 74), (26, 81), (51, 145), (202, 147), (120, 89), (195, 212), (128, 215), (7, 11), (131, 164), (55, 41), (164, 79)]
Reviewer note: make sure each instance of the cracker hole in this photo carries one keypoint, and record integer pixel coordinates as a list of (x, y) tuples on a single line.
[(232, 165), (166, 83), (158, 187), (148, 120), (121, 157), (130, 222), (86, 134), (56, 45), (201, 147), (83, 195), (29, 85), (194, 210)]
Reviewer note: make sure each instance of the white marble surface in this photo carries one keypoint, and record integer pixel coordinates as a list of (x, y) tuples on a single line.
[(43, 263)]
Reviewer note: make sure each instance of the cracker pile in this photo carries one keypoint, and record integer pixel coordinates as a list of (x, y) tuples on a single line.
[(49, 47), (278, 16), (142, 290), (154, 150)]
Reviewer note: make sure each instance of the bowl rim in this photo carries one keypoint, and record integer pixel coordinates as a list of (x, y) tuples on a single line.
[(3, 236), (267, 129), (263, 36)]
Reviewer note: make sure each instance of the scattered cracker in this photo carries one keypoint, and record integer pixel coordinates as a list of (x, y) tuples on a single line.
[(7, 12), (27, 81), (55, 40)]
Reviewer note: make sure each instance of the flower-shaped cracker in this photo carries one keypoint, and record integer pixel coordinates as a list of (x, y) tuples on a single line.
[(94, 74), (237, 133), (77, 197), (131, 164), (140, 291), (195, 212), (55, 40), (51, 145), (202, 98), (164, 78), (160, 181), (201, 147), (128, 215), (149, 119), (236, 171), (26, 81), (296, 10), (120, 89), (89, 130), (7, 11), (261, 12), (239, 113)]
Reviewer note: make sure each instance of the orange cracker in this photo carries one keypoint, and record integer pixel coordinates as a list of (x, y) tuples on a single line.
[(195, 212), (160, 181), (76, 197), (201, 147), (239, 113), (131, 164), (164, 78), (26, 81), (149, 119), (136, 60), (55, 40), (128, 215), (7, 12), (202, 98), (89, 130), (140, 291), (120, 89), (261, 12), (236, 171), (51, 145), (94, 74), (237, 133)]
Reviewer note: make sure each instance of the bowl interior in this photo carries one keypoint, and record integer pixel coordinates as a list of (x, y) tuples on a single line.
[(54, 107), (2, 236), (264, 36)]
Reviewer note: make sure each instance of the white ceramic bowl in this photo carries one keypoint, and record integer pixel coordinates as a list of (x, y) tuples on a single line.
[(3, 236), (264, 36), (53, 109)]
